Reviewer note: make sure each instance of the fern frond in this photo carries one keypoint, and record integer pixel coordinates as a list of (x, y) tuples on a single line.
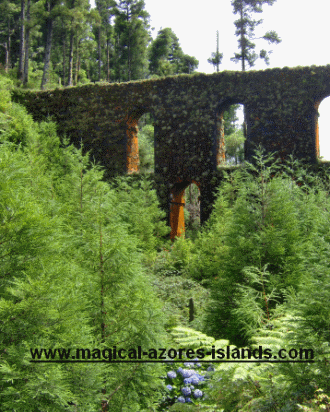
[(191, 338)]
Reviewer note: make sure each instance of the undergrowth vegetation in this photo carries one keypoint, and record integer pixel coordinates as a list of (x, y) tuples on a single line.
[(87, 263)]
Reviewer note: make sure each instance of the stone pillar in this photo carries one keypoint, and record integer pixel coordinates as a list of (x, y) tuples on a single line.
[(177, 214), (132, 148), (316, 122)]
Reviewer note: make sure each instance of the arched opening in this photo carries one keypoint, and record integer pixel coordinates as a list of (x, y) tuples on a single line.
[(184, 209), (146, 143), (231, 133), (140, 156), (323, 130)]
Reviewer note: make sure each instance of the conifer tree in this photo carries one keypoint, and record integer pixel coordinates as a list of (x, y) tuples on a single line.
[(245, 27), (70, 277), (259, 224), (52, 11), (166, 56), (132, 30), (216, 58)]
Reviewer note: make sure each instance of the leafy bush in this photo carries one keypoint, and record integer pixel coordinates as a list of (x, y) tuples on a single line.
[(70, 276), (138, 206), (258, 220)]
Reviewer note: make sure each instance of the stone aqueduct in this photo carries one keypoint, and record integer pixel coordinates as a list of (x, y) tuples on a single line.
[(281, 108)]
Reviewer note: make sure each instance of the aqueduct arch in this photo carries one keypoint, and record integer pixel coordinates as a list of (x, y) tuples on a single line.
[(281, 107)]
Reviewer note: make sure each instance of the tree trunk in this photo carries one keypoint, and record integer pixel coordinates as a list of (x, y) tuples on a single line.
[(70, 59), (27, 45), (21, 43), (10, 33), (129, 54), (99, 52), (63, 52), (77, 64), (49, 25), (108, 62), (242, 41), (217, 51), (129, 43)]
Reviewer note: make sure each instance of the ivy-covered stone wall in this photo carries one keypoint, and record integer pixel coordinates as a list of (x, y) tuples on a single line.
[(281, 113)]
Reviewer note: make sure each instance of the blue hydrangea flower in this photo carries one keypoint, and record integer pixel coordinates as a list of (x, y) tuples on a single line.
[(198, 393), (169, 387), (194, 380), (196, 365), (188, 400), (210, 369), (179, 370), (171, 374), (187, 373), (181, 399), (186, 391), (187, 381), (188, 364)]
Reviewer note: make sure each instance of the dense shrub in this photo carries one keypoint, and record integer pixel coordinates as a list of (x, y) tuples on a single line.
[(71, 277), (259, 219)]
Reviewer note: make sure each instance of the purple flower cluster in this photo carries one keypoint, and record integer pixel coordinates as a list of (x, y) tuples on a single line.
[(187, 373), (190, 378), (186, 391), (171, 374), (198, 393)]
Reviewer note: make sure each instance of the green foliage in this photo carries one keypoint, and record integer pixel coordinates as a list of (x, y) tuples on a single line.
[(138, 207), (230, 119), (190, 338), (175, 291), (146, 149), (321, 401), (5, 100), (132, 35), (245, 27), (71, 277), (15, 124), (257, 221), (72, 252), (252, 303), (180, 254), (192, 211), (234, 144), (166, 56), (216, 58), (275, 219)]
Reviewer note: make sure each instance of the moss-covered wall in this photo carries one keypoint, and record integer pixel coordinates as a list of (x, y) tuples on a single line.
[(281, 107)]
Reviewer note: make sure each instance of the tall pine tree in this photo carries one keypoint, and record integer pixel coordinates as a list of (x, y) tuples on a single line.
[(245, 27), (132, 36)]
